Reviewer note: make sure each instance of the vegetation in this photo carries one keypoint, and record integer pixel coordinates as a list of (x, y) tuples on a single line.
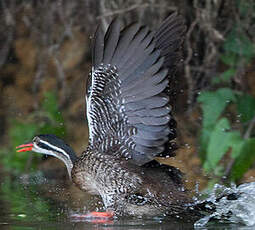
[(44, 48), (47, 120), (229, 115), (218, 137)]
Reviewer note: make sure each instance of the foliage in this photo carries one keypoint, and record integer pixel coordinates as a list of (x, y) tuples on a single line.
[(218, 137), (47, 120), (244, 158), (213, 104), (238, 48)]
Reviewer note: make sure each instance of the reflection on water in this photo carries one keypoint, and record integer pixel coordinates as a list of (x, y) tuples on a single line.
[(37, 203), (41, 204)]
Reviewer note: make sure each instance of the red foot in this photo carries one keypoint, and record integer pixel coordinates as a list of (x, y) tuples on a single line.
[(96, 217), (101, 214)]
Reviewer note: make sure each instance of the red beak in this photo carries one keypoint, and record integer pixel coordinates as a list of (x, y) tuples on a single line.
[(28, 147)]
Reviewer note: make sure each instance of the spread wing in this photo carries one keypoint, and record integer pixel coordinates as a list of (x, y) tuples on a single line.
[(127, 105)]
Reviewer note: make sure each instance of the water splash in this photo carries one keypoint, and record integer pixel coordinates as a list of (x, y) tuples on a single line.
[(232, 205)]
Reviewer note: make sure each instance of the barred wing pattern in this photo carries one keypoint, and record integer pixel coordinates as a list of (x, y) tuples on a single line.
[(127, 105)]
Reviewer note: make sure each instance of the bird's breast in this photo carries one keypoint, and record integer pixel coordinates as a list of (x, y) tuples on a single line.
[(86, 182)]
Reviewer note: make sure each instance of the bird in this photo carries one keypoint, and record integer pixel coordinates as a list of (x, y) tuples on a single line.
[(130, 121)]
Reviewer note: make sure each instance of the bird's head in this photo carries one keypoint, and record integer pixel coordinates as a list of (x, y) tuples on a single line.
[(49, 144)]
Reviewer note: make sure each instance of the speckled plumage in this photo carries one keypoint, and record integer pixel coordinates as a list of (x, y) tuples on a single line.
[(130, 120), (129, 190)]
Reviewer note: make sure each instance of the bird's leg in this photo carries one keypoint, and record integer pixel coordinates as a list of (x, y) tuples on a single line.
[(95, 217), (99, 217)]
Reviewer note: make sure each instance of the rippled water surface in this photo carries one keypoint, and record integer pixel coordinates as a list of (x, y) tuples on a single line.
[(45, 204), (38, 203)]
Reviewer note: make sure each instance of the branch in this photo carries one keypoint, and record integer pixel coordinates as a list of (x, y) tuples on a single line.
[(9, 21), (6, 47), (249, 129), (187, 60), (102, 11), (61, 79), (134, 7)]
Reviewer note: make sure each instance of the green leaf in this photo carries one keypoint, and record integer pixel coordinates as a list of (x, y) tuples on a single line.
[(213, 104), (204, 139), (225, 76), (229, 58), (246, 107), (217, 145), (244, 7), (221, 140), (237, 143), (244, 160), (237, 47), (238, 43)]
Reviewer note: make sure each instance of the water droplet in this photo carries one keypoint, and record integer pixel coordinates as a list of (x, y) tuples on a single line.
[(239, 210)]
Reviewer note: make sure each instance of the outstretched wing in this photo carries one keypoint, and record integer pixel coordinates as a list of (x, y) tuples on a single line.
[(127, 106)]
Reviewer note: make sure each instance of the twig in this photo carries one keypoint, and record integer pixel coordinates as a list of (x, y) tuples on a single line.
[(41, 69), (61, 79), (228, 169), (136, 6), (102, 11), (6, 47), (186, 62), (10, 23), (249, 129)]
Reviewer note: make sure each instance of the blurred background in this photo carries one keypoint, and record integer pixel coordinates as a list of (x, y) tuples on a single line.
[(45, 60)]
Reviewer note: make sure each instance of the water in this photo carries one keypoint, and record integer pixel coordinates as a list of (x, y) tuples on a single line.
[(39, 203), (233, 205)]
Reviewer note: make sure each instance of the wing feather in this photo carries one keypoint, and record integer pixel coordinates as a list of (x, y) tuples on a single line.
[(128, 107), (126, 37), (141, 94), (98, 47), (111, 40)]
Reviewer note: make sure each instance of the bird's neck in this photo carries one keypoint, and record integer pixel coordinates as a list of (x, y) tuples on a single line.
[(69, 159)]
